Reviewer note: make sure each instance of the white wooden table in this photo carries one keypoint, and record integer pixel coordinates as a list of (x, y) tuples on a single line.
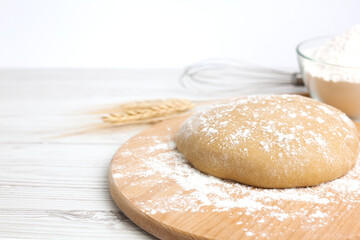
[(55, 187)]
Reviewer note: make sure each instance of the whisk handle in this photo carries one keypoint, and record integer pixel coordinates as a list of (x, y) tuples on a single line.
[(296, 79)]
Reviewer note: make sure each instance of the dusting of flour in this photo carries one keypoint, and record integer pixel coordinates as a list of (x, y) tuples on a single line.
[(185, 189), (300, 130), (153, 164)]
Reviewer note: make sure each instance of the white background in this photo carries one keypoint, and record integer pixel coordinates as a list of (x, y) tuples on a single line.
[(156, 34)]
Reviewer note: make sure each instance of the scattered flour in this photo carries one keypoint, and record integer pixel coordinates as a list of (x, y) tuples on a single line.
[(285, 134), (178, 187), (249, 234), (185, 189)]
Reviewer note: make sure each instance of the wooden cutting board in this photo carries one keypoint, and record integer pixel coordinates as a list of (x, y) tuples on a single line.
[(160, 192)]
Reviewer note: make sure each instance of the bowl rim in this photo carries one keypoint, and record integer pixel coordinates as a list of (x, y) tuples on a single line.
[(303, 55)]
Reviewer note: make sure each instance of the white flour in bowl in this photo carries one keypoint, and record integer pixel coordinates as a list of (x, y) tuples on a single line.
[(334, 76), (342, 50)]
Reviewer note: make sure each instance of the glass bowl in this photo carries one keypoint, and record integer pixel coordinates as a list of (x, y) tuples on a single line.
[(332, 84)]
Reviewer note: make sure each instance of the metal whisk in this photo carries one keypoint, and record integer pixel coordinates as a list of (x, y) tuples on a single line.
[(226, 76)]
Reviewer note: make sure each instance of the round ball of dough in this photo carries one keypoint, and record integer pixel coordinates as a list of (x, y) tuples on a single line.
[(270, 141)]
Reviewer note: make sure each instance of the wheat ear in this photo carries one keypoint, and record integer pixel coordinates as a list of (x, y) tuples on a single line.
[(148, 111)]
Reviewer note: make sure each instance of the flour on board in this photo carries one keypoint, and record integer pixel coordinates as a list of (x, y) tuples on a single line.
[(165, 166), (183, 188)]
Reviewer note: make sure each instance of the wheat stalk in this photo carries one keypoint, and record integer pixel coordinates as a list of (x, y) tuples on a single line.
[(148, 111)]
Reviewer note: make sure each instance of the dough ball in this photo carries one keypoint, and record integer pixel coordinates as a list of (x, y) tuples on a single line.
[(270, 141)]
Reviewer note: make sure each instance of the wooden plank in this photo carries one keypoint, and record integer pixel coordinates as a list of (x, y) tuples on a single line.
[(48, 188), (67, 224)]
